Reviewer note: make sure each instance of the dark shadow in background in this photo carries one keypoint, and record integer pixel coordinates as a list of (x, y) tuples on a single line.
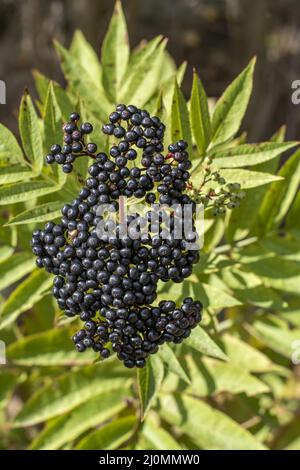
[(218, 37)]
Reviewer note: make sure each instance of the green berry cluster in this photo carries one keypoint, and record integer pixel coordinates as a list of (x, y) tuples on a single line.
[(215, 193)]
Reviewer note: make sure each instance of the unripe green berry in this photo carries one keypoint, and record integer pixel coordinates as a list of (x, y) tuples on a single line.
[(236, 186), (221, 199), (204, 200), (241, 195), (230, 187)]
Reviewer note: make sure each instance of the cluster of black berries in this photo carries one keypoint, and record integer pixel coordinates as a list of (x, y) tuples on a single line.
[(136, 333), (111, 280), (74, 144)]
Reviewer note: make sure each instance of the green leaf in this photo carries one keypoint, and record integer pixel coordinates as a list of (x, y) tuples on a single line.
[(243, 219), (82, 85), (5, 252), (70, 426), (249, 179), (201, 342), (24, 296), (212, 297), (168, 87), (250, 154), (150, 379), (63, 99), (110, 436), (41, 84), (42, 213), (49, 348), (214, 234), (208, 428), (20, 192), (278, 339), (278, 199), (14, 268), (146, 83), (10, 151), (115, 53), (169, 358), (30, 132), (292, 312), (180, 124), (168, 70), (232, 105), (275, 271), (288, 437), (8, 381), (14, 173), (261, 296), (142, 63), (286, 247), (158, 437), (245, 355), (248, 288), (71, 390), (86, 56), (293, 217), (53, 122), (210, 377), (52, 119), (199, 116)]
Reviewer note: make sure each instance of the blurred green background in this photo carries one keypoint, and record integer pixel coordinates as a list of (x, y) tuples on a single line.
[(218, 37), (248, 276)]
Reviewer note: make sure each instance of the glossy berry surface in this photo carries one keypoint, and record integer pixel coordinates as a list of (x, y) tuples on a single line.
[(111, 282)]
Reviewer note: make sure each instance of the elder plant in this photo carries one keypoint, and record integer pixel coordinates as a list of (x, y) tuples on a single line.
[(232, 382)]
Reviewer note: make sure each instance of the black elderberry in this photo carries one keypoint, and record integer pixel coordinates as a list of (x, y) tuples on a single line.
[(70, 127), (108, 129), (55, 149), (77, 147), (131, 154), (91, 147), (119, 132), (50, 158), (125, 114), (60, 158), (74, 117), (119, 277), (86, 128), (67, 168), (114, 117)]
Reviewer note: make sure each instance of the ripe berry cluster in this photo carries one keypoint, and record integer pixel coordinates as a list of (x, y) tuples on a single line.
[(74, 144), (111, 281)]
